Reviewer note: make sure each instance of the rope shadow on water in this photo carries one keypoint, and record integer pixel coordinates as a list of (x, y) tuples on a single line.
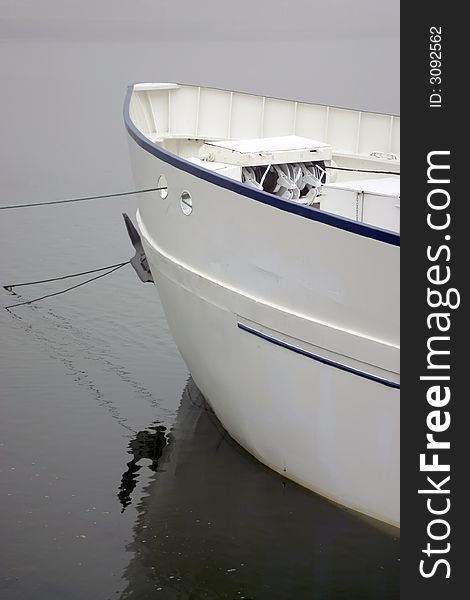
[(73, 343)]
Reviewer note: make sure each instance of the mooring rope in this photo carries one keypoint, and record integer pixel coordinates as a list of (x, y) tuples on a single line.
[(81, 199), (110, 269), (9, 287)]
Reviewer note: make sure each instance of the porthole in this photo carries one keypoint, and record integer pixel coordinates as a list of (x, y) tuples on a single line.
[(186, 202), (163, 184)]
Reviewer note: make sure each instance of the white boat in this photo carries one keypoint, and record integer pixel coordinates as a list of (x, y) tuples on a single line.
[(274, 246)]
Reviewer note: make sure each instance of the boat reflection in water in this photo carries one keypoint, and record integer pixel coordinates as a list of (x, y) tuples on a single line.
[(146, 444), (215, 523)]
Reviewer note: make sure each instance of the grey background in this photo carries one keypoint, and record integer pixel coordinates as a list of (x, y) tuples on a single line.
[(81, 372), (64, 67)]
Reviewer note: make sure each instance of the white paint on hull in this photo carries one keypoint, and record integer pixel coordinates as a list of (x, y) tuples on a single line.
[(334, 433), (324, 289)]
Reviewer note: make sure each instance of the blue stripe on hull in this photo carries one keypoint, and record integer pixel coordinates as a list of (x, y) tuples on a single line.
[(308, 212), (318, 358)]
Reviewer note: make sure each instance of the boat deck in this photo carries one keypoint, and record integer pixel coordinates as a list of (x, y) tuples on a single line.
[(336, 160)]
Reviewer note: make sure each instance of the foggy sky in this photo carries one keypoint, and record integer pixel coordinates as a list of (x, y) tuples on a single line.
[(199, 19), (65, 66)]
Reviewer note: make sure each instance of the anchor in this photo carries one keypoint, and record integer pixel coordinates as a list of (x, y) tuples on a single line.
[(139, 260)]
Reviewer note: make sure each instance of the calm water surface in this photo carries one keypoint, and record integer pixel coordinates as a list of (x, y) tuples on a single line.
[(116, 479)]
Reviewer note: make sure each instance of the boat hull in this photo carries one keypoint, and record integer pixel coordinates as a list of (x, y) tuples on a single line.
[(288, 326)]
